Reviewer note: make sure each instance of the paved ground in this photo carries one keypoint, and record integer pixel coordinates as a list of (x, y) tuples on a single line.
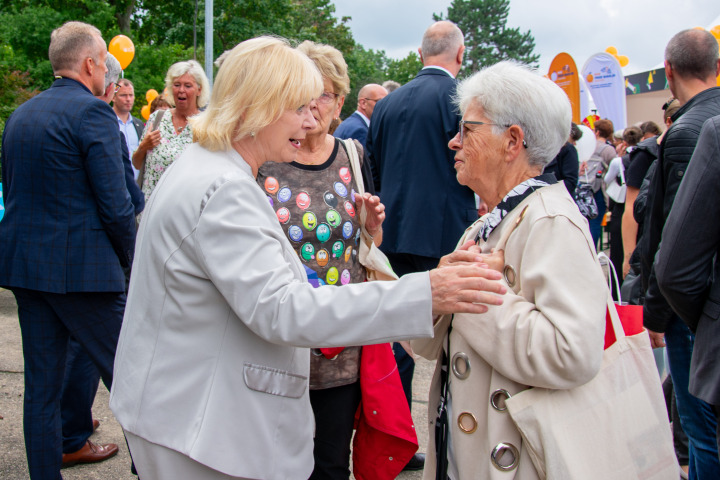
[(12, 450)]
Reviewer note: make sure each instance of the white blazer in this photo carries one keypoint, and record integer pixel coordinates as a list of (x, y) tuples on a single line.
[(210, 361)]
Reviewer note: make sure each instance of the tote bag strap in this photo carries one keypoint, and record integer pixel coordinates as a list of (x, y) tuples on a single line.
[(352, 154), (612, 274)]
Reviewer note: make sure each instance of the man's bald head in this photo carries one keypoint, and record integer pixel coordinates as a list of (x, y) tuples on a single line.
[(443, 45), (693, 53), (368, 97)]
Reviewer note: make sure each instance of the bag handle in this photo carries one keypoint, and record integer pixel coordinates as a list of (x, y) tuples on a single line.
[(352, 153), (612, 274)]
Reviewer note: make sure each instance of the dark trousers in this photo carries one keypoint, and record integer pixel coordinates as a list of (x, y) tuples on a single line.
[(78, 394), (334, 410), (47, 321), (617, 254), (596, 223), (404, 263)]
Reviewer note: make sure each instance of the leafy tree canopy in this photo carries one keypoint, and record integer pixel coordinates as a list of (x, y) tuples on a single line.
[(488, 39), (164, 33)]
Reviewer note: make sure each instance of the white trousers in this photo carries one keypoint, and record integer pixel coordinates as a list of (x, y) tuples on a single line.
[(155, 462)]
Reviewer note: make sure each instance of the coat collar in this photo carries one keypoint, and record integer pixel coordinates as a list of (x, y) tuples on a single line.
[(69, 82)]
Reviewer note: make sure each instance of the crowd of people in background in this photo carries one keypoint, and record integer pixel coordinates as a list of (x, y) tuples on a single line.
[(210, 265)]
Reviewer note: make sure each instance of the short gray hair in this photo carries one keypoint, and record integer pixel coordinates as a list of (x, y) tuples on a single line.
[(113, 69), (437, 41), (193, 68), (693, 53), (71, 43), (513, 94)]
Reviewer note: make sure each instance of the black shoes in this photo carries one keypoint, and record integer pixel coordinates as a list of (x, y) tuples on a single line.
[(417, 462)]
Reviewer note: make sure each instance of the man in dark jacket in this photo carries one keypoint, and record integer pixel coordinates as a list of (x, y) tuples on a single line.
[(686, 272), (691, 67), (427, 209)]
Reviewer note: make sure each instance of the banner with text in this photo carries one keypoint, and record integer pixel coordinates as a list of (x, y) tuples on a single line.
[(564, 73), (604, 78)]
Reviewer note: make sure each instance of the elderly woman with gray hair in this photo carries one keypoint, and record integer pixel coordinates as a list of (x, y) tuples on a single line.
[(549, 330), (167, 135)]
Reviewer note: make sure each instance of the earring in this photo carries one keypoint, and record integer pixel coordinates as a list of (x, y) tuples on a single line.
[(524, 144), (252, 134)]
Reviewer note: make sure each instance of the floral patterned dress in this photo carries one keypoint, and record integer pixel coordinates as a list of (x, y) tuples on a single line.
[(161, 157)]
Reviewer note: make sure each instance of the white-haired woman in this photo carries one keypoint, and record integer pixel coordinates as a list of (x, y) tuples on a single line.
[(163, 142), (211, 373), (549, 330)]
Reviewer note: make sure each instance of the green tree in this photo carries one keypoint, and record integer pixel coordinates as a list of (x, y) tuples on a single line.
[(488, 39), (405, 69)]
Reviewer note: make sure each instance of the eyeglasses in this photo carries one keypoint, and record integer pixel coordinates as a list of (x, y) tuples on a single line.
[(117, 87), (462, 128), (327, 97)]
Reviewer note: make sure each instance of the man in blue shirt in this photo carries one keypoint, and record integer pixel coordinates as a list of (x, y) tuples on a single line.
[(130, 126)]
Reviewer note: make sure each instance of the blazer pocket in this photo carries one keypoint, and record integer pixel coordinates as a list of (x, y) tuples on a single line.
[(274, 381), (711, 309)]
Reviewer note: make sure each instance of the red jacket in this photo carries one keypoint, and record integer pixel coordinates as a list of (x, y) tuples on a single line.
[(385, 438)]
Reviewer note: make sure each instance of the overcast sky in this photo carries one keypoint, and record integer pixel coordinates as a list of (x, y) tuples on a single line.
[(639, 29)]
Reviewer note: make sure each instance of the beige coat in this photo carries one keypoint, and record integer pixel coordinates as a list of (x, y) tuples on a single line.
[(548, 332)]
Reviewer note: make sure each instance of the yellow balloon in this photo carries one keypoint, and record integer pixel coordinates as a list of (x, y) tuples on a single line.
[(623, 60), (123, 49), (716, 32), (611, 50), (151, 95), (145, 111)]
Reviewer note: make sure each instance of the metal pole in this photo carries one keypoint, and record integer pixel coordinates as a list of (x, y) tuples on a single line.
[(209, 40)]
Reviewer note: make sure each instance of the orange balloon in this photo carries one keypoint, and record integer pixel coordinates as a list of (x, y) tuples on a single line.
[(623, 60), (716, 32), (611, 50), (698, 28), (123, 49), (151, 95), (145, 111)]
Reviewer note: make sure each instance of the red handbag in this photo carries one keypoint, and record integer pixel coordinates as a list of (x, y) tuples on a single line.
[(631, 316)]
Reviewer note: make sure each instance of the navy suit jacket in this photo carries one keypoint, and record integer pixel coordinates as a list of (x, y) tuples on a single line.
[(427, 210), (69, 225), (136, 195), (353, 127)]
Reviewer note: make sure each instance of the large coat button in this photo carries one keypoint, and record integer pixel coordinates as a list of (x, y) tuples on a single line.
[(505, 457), (467, 422), (497, 399), (461, 365)]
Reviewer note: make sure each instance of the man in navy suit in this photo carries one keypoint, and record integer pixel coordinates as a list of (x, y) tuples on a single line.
[(427, 210), (68, 231), (356, 125)]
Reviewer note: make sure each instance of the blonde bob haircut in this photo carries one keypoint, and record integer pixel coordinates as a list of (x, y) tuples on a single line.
[(258, 81), (196, 71), (331, 64)]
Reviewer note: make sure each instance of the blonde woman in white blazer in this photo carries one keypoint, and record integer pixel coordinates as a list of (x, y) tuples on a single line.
[(212, 363), (549, 330)]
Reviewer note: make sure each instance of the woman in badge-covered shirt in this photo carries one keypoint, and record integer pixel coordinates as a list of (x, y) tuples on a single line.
[(314, 199)]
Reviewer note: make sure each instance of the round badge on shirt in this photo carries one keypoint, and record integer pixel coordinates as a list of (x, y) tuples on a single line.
[(295, 233), (307, 251), (309, 221), (284, 194), (332, 276), (323, 232), (303, 200), (340, 189), (283, 215), (345, 175), (271, 185)]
